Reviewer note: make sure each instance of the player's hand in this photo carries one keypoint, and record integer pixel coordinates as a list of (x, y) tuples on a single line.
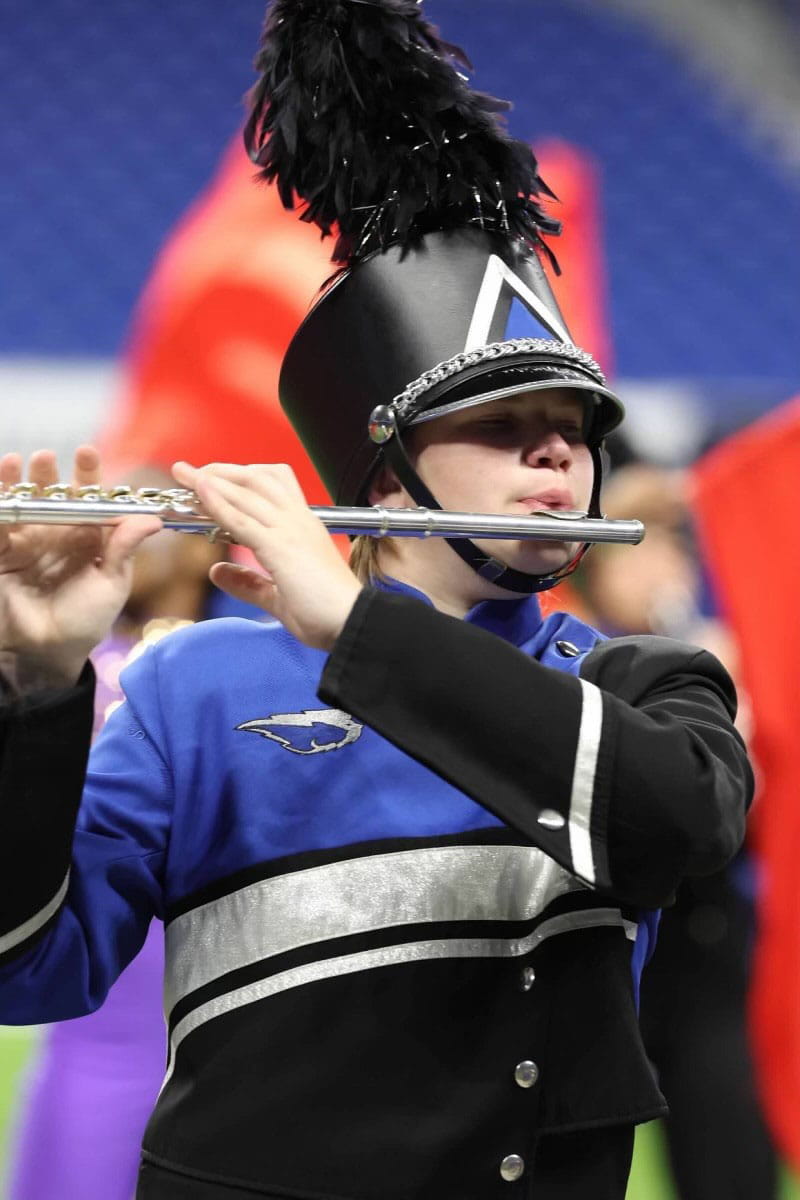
[(61, 586), (307, 586)]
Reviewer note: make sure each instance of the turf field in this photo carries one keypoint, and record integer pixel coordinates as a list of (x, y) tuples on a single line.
[(16, 1048), (648, 1178)]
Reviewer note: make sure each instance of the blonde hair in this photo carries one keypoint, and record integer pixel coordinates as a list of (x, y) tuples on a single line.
[(364, 554)]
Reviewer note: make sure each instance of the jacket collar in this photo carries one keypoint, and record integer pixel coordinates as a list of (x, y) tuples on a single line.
[(515, 620)]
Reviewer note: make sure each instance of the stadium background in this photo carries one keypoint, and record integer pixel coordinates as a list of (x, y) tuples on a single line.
[(115, 116)]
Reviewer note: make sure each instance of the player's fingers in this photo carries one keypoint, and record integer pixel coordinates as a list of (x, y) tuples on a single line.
[(190, 476), (240, 510), (242, 529), (10, 473), (126, 538), (281, 474), (187, 474), (275, 481), (10, 469), (243, 583), (86, 468), (43, 468)]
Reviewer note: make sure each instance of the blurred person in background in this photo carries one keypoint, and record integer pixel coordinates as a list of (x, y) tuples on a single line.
[(695, 990)]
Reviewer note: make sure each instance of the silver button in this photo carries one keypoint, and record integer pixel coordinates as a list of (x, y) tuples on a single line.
[(526, 1073), (527, 978), (512, 1168), (551, 819), (568, 649)]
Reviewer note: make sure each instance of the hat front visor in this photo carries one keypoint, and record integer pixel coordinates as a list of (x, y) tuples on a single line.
[(604, 410)]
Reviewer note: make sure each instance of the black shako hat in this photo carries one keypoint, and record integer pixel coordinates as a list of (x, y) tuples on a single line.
[(463, 317), (442, 302)]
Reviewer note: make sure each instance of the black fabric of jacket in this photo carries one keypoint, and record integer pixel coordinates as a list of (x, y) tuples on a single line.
[(672, 784)]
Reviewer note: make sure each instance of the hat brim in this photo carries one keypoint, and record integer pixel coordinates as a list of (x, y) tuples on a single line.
[(495, 382)]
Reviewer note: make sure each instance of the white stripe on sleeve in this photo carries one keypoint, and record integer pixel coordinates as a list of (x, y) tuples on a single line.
[(580, 804), (19, 935)]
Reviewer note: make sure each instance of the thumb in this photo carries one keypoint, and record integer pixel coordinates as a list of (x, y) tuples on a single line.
[(243, 583), (127, 537)]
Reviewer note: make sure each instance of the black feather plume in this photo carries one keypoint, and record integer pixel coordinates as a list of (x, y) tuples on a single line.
[(361, 113)]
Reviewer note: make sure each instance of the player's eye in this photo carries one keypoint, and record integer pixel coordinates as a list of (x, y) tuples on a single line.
[(570, 430), (497, 421)]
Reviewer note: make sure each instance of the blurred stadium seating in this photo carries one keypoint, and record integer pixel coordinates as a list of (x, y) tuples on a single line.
[(117, 113)]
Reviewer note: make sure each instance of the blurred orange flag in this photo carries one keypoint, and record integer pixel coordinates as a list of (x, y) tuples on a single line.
[(747, 504)]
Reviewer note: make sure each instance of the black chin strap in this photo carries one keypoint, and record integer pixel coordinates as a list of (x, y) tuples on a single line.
[(483, 564)]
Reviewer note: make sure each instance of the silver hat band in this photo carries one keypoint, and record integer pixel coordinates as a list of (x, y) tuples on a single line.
[(405, 405)]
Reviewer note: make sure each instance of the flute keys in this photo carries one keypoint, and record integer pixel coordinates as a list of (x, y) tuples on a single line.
[(23, 491), (57, 491), (120, 493), (89, 491), (178, 496)]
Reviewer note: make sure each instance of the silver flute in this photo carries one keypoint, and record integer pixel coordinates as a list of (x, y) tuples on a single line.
[(59, 504)]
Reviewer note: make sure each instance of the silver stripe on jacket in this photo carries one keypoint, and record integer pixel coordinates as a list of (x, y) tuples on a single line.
[(583, 778), (21, 934), (358, 895), (384, 956)]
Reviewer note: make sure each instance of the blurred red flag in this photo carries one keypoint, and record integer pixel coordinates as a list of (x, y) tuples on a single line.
[(747, 504), (235, 278), (581, 288)]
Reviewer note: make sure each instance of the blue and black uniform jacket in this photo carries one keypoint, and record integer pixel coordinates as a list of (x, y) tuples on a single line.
[(389, 878)]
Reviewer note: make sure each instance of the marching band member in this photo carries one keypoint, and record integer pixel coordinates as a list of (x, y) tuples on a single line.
[(409, 839)]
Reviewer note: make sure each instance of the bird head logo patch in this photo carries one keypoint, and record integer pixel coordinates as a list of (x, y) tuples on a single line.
[(312, 731)]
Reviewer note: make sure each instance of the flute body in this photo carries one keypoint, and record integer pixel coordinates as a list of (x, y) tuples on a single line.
[(178, 511)]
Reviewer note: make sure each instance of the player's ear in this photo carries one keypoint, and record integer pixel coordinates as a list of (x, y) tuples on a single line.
[(386, 488)]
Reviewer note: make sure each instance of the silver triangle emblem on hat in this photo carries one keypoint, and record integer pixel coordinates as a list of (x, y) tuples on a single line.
[(497, 276)]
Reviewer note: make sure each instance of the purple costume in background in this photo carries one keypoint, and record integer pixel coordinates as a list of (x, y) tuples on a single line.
[(92, 1090), (96, 1078)]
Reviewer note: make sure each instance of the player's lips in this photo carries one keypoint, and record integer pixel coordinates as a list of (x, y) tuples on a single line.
[(555, 498)]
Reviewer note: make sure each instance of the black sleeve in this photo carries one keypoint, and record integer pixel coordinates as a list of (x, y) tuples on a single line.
[(631, 775), (44, 747)]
